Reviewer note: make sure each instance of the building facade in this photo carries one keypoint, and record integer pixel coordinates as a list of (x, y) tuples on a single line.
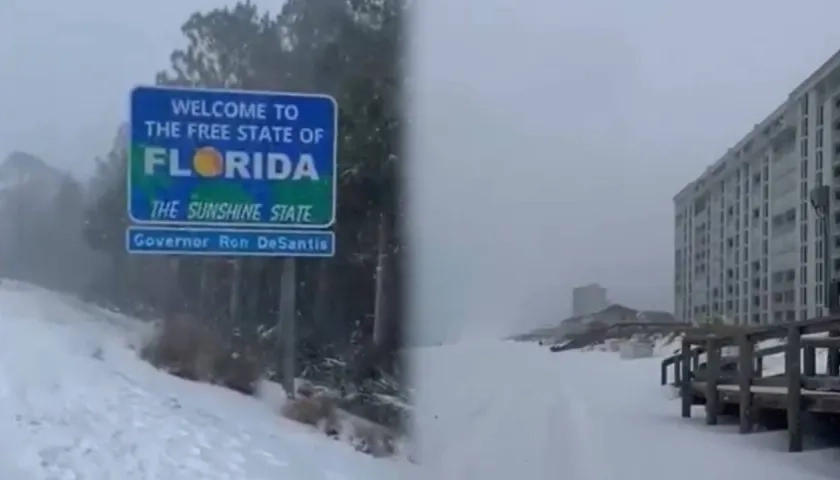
[(588, 299), (748, 244)]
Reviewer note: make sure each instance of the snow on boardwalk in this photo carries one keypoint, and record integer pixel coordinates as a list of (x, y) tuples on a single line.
[(501, 410), (78, 405)]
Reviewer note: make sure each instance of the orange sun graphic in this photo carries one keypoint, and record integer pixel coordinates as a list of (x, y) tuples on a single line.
[(207, 162)]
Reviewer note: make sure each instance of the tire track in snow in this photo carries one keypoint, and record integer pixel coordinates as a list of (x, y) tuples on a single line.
[(467, 455), (529, 428), (583, 435)]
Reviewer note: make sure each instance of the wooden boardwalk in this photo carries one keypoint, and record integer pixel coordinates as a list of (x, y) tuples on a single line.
[(737, 384)]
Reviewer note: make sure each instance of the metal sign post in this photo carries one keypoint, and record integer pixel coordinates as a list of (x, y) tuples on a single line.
[(287, 319)]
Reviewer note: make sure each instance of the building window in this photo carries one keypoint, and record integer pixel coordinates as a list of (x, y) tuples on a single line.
[(803, 169), (803, 147), (820, 115), (819, 155)]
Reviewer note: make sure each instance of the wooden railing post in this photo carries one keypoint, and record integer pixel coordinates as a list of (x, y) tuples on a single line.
[(686, 394), (713, 353), (833, 359), (664, 373), (745, 375), (809, 361), (794, 388), (678, 369)]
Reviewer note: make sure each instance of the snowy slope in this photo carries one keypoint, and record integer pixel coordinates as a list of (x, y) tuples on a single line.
[(502, 410), (78, 404)]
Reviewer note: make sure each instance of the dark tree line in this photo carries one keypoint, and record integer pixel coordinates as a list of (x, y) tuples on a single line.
[(349, 307)]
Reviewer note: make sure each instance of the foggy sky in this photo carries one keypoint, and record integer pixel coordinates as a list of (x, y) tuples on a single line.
[(552, 136), (68, 66)]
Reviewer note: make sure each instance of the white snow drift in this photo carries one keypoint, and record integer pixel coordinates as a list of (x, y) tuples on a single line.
[(506, 410), (77, 403)]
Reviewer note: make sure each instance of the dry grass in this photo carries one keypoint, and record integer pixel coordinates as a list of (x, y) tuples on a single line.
[(319, 409), (369, 437), (188, 349)]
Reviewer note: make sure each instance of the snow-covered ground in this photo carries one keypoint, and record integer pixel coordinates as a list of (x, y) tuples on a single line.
[(77, 404), (507, 410)]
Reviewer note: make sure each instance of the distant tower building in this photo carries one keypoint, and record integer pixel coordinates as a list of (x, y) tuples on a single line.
[(588, 299)]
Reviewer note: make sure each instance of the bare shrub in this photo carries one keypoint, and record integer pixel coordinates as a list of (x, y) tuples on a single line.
[(317, 410), (238, 370), (187, 349), (368, 437), (321, 411)]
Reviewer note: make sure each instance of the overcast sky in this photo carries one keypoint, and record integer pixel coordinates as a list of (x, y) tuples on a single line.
[(553, 135), (550, 136), (68, 66)]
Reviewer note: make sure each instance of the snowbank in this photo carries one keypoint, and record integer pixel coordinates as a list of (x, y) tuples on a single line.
[(79, 403), (515, 410)]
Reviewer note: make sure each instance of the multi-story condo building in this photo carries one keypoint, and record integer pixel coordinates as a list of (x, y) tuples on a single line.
[(748, 244)]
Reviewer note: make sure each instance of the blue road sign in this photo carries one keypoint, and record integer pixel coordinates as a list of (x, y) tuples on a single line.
[(231, 242), (225, 158)]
